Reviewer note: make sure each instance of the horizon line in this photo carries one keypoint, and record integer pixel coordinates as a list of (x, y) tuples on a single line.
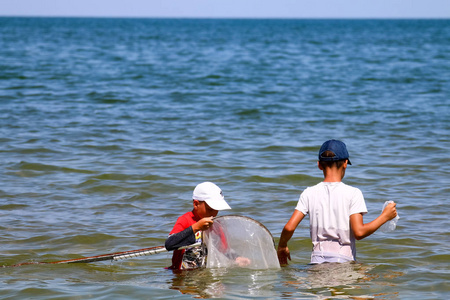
[(224, 18)]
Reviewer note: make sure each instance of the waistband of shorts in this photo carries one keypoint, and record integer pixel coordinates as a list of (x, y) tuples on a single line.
[(319, 257)]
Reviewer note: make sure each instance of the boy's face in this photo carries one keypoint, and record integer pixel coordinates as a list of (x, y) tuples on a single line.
[(202, 209)]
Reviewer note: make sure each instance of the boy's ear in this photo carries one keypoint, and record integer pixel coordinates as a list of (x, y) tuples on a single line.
[(319, 166)]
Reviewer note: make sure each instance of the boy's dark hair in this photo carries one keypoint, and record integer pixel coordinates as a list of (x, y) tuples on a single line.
[(330, 164)]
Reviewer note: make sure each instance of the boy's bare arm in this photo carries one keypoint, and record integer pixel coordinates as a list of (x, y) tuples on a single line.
[(361, 230), (286, 234)]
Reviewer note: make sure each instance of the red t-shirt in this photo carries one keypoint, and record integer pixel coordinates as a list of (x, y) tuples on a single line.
[(183, 222), (194, 257)]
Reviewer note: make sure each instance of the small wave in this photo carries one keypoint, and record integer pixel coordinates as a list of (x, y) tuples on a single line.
[(114, 205), (99, 186), (169, 152), (23, 165), (291, 179), (139, 197), (248, 112), (103, 147), (276, 148), (23, 87), (208, 143), (107, 98), (212, 76), (112, 176), (13, 206), (86, 239), (33, 150), (395, 80)]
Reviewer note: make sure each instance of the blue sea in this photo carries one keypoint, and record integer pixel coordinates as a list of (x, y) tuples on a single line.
[(107, 125)]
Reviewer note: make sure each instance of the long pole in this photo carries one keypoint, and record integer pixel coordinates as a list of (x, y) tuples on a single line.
[(111, 256)]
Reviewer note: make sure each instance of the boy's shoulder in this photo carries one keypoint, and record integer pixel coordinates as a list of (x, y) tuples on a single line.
[(183, 222), (334, 185), (325, 189), (186, 216)]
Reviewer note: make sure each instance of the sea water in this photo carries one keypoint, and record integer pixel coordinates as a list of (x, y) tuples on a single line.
[(107, 125)]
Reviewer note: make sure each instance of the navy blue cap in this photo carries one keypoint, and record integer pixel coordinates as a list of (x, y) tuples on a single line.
[(337, 147)]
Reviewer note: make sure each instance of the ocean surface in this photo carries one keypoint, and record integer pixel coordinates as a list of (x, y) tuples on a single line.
[(107, 125)]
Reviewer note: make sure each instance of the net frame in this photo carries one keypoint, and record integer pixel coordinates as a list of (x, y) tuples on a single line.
[(268, 256)]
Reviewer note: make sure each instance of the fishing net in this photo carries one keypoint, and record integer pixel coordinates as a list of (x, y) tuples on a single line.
[(239, 241)]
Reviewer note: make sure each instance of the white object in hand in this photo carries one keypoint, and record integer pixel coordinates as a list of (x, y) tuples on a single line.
[(391, 224)]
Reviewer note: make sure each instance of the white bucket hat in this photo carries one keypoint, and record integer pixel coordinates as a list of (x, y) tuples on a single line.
[(211, 194)]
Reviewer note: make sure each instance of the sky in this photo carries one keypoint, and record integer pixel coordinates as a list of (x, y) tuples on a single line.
[(229, 8)]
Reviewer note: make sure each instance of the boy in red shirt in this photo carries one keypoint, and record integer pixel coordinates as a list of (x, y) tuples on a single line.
[(207, 200)]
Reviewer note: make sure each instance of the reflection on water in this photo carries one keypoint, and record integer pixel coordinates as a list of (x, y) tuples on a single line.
[(335, 274), (347, 280), (216, 283), (342, 280), (200, 283)]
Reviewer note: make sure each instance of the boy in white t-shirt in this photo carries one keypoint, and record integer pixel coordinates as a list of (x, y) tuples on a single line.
[(335, 212)]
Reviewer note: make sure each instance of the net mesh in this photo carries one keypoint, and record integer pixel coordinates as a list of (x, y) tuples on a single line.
[(239, 241)]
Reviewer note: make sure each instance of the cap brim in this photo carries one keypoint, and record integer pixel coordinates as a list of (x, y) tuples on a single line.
[(218, 204)]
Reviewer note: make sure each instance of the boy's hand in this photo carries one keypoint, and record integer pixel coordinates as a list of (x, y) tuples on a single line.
[(242, 261), (203, 224), (283, 255), (390, 211)]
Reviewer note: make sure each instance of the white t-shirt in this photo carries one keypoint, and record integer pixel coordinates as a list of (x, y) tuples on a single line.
[(329, 205)]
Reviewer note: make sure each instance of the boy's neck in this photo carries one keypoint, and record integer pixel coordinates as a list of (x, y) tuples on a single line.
[(332, 179), (333, 174)]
